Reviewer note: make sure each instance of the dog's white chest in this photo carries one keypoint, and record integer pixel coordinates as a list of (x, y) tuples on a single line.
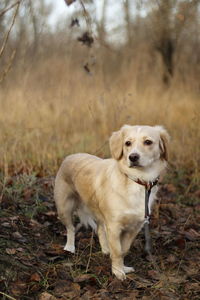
[(135, 203)]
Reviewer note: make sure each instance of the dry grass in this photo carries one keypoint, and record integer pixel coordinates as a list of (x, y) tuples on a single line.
[(55, 109)]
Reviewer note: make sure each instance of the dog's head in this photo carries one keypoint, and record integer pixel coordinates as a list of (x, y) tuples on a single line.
[(139, 146)]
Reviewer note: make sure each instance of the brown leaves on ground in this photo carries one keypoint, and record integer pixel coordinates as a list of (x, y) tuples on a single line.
[(33, 264), (46, 296), (35, 277), (10, 251)]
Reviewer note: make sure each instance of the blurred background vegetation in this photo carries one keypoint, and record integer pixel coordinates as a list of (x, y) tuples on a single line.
[(66, 84)]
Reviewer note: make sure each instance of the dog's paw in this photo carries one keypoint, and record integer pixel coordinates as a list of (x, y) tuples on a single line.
[(69, 248), (120, 274), (128, 269)]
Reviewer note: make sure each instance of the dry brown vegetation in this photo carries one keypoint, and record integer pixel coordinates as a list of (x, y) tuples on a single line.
[(55, 108)]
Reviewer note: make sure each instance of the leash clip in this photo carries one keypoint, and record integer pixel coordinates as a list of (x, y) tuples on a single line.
[(147, 220)]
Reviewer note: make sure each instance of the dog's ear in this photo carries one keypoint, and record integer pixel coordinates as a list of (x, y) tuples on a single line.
[(116, 144), (164, 142)]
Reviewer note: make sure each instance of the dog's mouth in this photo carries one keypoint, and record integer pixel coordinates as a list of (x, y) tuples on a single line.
[(134, 165)]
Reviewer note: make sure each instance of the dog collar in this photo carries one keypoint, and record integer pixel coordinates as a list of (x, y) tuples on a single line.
[(147, 185)]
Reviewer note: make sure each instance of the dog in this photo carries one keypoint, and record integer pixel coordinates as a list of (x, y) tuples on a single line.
[(105, 193)]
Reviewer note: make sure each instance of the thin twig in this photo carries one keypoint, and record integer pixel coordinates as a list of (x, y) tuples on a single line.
[(7, 69), (180, 263), (86, 16), (9, 297), (8, 32), (90, 255), (8, 8)]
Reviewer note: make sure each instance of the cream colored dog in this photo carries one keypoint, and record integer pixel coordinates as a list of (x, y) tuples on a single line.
[(105, 191)]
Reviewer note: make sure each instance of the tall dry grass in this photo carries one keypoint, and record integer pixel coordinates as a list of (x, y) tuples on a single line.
[(53, 108)]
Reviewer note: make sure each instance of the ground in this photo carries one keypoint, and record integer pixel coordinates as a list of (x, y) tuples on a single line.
[(35, 266)]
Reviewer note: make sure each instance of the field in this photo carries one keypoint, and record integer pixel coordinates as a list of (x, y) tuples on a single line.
[(50, 111), (53, 108)]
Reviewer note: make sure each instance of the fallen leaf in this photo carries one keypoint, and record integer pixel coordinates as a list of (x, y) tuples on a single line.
[(10, 251), (153, 274), (17, 235), (71, 294), (27, 194), (47, 296), (35, 223), (104, 269), (83, 277), (192, 286), (20, 249), (180, 243), (115, 285), (18, 288), (37, 234), (192, 234), (27, 262), (46, 224), (197, 193), (6, 224), (171, 258), (35, 287), (56, 249), (176, 279), (197, 207), (64, 286), (132, 295), (15, 218), (50, 214), (35, 277), (88, 295)]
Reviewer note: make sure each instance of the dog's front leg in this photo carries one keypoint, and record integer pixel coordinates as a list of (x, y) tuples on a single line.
[(128, 237), (113, 235)]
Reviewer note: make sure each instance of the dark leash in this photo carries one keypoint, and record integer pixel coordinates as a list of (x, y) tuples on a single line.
[(148, 187)]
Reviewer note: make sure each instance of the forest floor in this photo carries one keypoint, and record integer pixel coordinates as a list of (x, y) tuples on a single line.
[(33, 264)]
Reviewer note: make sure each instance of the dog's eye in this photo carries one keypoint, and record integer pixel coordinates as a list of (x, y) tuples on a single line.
[(128, 143), (148, 142)]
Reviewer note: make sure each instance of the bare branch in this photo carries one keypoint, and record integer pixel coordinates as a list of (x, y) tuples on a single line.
[(7, 69), (9, 30), (8, 8), (86, 16)]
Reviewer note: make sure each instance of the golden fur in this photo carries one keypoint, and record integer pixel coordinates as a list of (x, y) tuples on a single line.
[(103, 193)]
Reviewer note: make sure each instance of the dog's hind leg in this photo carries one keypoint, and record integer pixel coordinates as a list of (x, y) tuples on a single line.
[(103, 238), (66, 204), (68, 222)]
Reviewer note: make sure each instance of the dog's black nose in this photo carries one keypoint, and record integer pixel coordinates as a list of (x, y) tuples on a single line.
[(134, 157)]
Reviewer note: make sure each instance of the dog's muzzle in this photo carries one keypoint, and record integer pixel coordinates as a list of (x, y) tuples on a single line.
[(134, 160)]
